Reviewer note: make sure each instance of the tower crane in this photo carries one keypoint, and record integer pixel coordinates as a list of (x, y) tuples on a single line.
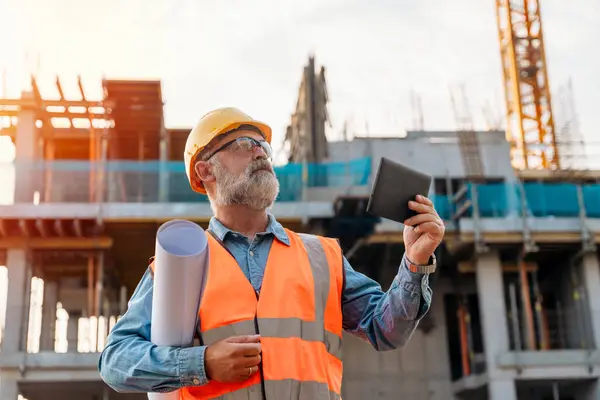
[(529, 126)]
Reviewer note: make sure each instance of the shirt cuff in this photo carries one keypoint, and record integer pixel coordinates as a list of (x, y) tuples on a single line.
[(411, 281), (191, 366), (417, 284)]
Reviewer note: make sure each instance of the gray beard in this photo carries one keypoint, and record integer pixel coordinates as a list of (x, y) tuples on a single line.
[(254, 188)]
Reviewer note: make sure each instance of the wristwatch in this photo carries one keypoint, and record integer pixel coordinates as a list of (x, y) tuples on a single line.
[(423, 268)]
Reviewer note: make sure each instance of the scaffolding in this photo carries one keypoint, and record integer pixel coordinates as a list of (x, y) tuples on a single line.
[(569, 139)]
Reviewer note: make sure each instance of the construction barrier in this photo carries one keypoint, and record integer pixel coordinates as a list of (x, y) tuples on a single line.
[(144, 181), (500, 200)]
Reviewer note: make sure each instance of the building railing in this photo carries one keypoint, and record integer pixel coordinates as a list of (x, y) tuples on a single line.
[(153, 181), (559, 328), (500, 200), (533, 338), (70, 334)]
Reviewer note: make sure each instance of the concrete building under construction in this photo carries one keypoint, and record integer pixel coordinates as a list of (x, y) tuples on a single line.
[(516, 305)]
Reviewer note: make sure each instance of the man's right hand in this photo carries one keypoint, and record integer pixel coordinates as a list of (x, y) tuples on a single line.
[(233, 359)]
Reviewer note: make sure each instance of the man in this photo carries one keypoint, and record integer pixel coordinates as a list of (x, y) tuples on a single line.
[(275, 302)]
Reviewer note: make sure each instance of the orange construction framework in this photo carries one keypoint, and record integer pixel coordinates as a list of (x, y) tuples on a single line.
[(530, 123)]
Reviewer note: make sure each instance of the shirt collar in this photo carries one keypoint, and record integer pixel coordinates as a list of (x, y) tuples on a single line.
[(273, 227)]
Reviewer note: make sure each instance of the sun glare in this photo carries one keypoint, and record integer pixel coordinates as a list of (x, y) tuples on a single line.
[(7, 171), (7, 149)]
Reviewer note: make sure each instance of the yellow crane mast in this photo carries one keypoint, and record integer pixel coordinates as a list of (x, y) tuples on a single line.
[(530, 126)]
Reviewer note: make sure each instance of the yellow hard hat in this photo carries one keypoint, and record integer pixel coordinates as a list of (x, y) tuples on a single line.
[(210, 126)]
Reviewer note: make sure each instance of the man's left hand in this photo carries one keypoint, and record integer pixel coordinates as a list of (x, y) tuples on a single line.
[(421, 241)]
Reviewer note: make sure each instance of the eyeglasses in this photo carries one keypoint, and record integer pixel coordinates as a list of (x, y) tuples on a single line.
[(245, 143)]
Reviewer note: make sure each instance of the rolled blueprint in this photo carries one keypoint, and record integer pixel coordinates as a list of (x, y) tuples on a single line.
[(180, 263)]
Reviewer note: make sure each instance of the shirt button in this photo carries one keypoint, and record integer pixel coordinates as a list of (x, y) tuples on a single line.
[(196, 381), (251, 253)]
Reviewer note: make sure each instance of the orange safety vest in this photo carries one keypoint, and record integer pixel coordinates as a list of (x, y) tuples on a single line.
[(298, 315)]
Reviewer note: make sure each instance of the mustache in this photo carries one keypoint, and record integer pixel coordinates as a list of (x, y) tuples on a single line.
[(258, 165)]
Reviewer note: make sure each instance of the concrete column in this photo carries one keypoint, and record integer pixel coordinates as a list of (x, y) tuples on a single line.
[(492, 309), (587, 391), (73, 298), (163, 179), (501, 389), (122, 300), (102, 181), (113, 186), (590, 274), (49, 316), (73, 330), (17, 301), (103, 330), (9, 389), (27, 151)]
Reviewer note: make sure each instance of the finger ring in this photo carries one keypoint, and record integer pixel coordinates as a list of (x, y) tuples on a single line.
[(249, 371)]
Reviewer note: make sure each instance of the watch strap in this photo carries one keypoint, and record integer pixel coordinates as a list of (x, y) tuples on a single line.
[(428, 268)]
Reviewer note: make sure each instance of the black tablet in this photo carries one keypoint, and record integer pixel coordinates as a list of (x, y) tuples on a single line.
[(394, 186)]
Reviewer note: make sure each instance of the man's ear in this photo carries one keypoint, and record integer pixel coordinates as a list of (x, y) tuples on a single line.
[(204, 171)]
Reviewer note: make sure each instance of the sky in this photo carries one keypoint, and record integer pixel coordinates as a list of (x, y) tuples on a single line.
[(250, 54)]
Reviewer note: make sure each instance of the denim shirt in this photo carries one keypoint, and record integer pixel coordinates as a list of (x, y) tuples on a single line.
[(131, 363)]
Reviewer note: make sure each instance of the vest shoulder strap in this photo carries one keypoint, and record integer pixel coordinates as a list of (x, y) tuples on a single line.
[(334, 244)]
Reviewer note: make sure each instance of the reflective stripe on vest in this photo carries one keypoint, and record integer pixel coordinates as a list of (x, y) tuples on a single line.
[(282, 389), (279, 327), (298, 316)]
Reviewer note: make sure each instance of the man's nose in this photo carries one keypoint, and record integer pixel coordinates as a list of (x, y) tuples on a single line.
[(258, 153)]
